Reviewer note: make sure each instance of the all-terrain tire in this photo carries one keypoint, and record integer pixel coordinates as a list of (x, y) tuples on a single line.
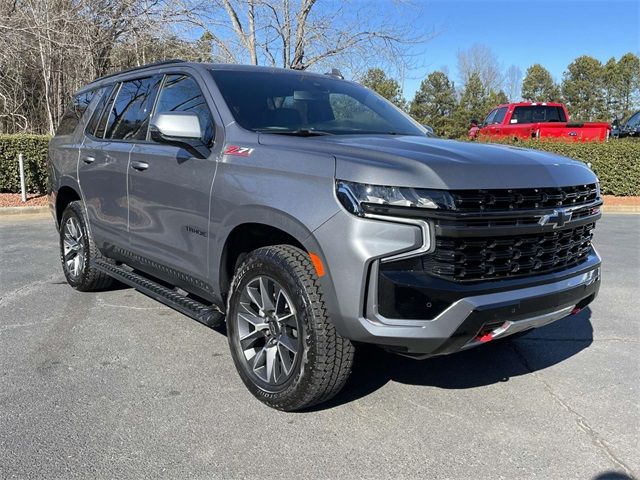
[(325, 360), (87, 278)]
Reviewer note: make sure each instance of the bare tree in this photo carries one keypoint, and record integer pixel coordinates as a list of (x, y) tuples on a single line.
[(300, 34), (51, 48), (513, 82), (481, 60)]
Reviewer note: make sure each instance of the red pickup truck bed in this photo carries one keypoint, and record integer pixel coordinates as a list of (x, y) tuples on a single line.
[(526, 120)]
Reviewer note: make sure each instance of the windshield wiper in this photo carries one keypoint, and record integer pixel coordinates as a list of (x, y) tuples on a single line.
[(301, 132)]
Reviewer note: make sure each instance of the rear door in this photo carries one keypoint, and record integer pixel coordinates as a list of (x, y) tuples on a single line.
[(65, 146), (169, 188)]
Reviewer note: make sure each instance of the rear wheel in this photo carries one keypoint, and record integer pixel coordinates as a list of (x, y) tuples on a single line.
[(77, 250), (284, 346)]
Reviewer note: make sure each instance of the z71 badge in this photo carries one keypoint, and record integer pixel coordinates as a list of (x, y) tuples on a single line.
[(238, 151)]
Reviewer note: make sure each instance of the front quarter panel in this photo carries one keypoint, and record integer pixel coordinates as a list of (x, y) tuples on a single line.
[(283, 188)]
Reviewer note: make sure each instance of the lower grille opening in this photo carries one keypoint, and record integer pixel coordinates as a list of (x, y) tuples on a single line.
[(482, 258)]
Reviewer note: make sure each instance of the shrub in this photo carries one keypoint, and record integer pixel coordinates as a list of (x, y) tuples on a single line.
[(34, 153), (616, 162)]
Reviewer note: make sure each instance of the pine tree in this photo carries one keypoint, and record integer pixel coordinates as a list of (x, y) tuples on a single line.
[(538, 85), (583, 89), (434, 103), (496, 98), (473, 105), (376, 80), (627, 82)]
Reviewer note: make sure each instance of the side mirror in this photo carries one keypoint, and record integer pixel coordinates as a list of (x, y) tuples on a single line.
[(181, 129), (429, 131)]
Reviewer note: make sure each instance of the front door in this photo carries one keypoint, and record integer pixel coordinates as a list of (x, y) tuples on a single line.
[(169, 189)]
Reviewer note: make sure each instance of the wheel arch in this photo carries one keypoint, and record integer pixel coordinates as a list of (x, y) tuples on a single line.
[(246, 237), (64, 196), (253, 227)]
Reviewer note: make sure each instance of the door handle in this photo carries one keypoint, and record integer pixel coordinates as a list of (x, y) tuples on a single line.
[(88, 160), (140, 166)]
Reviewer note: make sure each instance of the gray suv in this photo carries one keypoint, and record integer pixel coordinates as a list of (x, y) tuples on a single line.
[(309, 214)]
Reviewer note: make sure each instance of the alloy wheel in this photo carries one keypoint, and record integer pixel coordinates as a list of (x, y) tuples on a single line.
[(268, 330), (73, 247)]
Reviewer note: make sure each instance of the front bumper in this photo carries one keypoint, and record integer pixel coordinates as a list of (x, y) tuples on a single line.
[(470, 313), (472, 320)]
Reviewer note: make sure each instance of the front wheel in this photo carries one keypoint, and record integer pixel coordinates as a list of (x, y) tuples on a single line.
[(284, 346)]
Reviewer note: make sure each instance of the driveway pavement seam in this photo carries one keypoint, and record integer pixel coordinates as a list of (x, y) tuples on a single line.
[(25, 289), (581, 422)]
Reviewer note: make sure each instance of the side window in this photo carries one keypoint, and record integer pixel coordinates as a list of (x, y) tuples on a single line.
[(633, 121), (489, 118), (500, 113), (521, 115), (74, 113), (106, 113), (98, 111), (181, 93), (129, 117)]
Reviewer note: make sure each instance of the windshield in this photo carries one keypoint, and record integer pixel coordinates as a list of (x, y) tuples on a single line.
[(301, 103)]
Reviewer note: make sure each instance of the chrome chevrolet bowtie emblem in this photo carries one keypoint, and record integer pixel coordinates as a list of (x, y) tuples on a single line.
[(558, 218)]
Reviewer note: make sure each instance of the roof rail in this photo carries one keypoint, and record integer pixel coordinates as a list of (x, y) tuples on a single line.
[(154, 64), (335, 73)]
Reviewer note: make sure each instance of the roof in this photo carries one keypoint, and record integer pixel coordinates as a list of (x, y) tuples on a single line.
[(211, 66), (531, 104)]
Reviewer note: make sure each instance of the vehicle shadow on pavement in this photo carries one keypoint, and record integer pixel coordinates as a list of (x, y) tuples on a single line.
[(612, 475), (484, 365)]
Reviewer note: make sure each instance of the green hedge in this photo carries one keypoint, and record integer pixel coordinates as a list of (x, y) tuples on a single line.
[(34, 153), (617, 162)]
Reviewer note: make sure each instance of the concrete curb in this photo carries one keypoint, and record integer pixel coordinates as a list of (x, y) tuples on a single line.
[(621, 209), (23, 211)]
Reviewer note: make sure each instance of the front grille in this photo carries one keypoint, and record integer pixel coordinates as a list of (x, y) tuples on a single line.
[(482, 258), (523, 198)]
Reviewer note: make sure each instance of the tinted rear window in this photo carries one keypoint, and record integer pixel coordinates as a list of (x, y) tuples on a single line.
[(129, 117), (104, 117), (538, 113), (105, 93), (74, 113)]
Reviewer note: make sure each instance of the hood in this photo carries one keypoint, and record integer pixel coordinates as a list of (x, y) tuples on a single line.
[(424, 162)]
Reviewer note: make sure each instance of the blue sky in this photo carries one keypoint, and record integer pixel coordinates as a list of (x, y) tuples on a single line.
[(523, 32)]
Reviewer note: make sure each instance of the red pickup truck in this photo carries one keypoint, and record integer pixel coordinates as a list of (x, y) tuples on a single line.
[(526, 120)]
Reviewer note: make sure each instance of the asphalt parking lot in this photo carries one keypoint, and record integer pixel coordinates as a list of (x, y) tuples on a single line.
[(115, 385)]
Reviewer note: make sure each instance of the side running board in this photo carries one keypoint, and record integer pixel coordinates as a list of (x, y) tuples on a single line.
[(210, 315)]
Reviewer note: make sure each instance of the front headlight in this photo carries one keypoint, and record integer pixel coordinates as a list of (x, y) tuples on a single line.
[(360, 198)]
